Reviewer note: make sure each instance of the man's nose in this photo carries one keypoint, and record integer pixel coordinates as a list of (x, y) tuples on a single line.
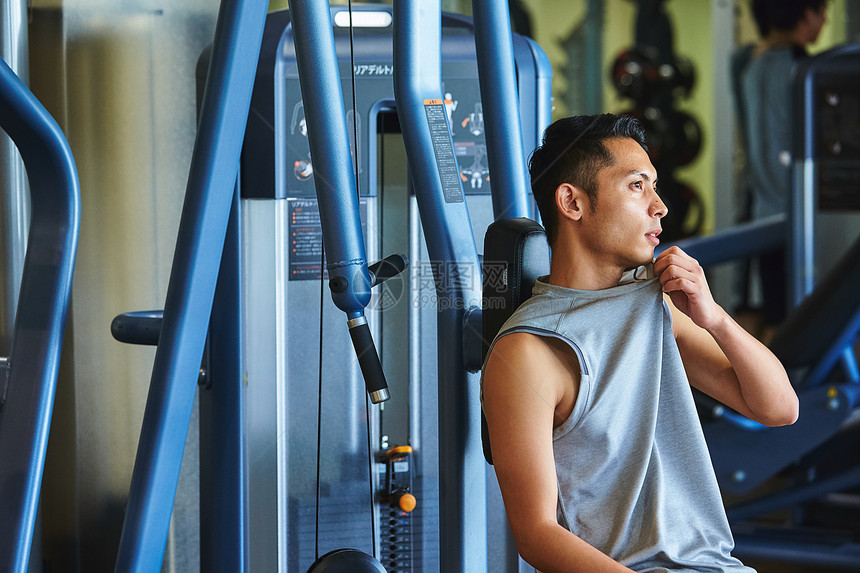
[(658, 208)]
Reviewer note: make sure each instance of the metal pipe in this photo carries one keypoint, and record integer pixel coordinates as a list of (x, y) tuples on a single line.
[(765, 504), (190, 292), (794, 551), (497, 78), (328, 140), (740, 241), (453, 256), (334, 181), (29, 387), (14, 197)]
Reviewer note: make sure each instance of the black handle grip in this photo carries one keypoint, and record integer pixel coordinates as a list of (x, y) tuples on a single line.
[(368, 360), (141, 327), (390, 266)]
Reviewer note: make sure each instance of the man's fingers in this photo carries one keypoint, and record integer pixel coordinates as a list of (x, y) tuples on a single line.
[(675, 256), (674, 272), (681, 284)]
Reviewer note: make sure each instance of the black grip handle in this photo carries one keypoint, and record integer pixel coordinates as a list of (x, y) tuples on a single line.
[(141, 327), (390, 266), (368, 360)]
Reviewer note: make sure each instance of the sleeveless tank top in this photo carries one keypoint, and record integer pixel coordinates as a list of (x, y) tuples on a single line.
[(634, 476)]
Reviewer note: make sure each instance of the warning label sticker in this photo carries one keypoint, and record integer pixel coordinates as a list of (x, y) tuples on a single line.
[(446, 162)]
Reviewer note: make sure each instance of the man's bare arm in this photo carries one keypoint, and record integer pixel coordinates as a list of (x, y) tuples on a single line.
[(720, 357), (524, 384)]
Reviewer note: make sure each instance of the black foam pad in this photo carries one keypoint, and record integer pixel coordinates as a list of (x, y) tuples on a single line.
[(516, 253)]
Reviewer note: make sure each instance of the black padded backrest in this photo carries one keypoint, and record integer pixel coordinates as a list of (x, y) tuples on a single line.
[(516, 253), (816, 324)]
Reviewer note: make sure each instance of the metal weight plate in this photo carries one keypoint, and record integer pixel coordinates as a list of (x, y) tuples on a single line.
[(346, 561)]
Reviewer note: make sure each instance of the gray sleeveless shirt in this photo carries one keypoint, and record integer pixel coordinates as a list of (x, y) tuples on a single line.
[(634, 476)]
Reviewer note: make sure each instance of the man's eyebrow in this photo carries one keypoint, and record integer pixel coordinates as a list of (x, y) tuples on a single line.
[(639, 173)]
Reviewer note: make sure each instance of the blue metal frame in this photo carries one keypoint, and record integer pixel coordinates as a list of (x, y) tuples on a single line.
[(190, 292), (735, 242), (328, 139), (497, 77), (222, 404), (801, 250), (334, 181), (417, 77), (30, 383)]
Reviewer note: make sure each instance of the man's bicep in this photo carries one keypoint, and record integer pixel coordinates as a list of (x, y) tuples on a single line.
[(519, 404)]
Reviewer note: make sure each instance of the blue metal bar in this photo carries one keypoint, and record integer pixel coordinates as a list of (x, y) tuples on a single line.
[(736, 242), (334, 176), (819, 551), (497, 77), (785, 498), (27, 393), (451, 246), (190, 292), (221, 402), (15, 198), (334, 181), (850, 371), (842, 350), (801, 245)]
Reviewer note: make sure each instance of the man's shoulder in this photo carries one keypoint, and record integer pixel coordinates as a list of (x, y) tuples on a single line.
[(538, 360), (534, 311), (523, 341)]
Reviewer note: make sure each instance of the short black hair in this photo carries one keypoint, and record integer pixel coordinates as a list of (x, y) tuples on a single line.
[(572, 151), (784, 14), (759, 9)]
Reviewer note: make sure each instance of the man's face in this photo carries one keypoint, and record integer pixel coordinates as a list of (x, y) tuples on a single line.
[(814, 20), (622, 228)]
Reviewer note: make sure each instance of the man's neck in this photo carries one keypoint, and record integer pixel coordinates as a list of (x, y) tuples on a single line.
[(584, 276), (780, 39)]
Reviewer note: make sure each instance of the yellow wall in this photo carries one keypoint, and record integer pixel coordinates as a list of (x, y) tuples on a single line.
[(691, 24), (834, 31)]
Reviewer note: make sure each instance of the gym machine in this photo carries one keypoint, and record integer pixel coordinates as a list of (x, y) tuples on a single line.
[(296, 200), (815, 459), (279, 200), (28, 376)]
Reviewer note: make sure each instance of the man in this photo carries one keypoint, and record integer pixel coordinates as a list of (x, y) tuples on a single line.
[(596, 443), (787, 28)]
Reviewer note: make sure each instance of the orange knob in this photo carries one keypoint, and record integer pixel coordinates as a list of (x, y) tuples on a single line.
[(407, 502)]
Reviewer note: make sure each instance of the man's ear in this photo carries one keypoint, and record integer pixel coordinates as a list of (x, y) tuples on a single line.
[(570, 201)]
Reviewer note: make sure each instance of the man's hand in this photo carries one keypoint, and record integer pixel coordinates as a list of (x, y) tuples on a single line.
[(683, 279), (721, 358)]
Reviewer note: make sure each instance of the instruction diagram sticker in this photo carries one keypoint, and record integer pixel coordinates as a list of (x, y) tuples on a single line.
[(446, 162)]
